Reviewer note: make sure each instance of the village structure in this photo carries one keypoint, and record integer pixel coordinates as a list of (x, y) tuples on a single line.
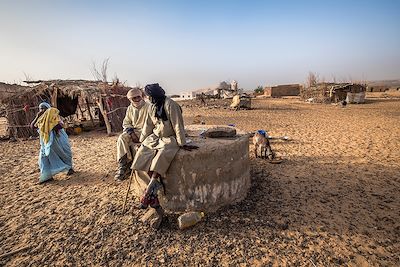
[(78, 101), (222, 90), (199, 133), (254, 155), (282, 90), (85, 102)]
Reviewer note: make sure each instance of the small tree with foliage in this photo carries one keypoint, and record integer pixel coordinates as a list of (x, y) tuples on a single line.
[(259, 90)]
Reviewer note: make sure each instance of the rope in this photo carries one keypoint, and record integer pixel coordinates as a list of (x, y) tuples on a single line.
[(113, 95), (19, 109), (18, 126), (114, 110)]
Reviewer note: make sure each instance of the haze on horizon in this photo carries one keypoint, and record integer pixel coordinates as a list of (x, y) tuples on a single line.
[(186, 45)]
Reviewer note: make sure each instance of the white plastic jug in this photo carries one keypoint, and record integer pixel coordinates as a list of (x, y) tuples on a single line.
[(189, 219)]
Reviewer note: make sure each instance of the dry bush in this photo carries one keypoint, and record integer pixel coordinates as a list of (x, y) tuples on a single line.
[(312, 79)]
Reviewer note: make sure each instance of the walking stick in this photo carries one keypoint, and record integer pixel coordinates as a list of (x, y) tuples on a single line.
[(127, 191)]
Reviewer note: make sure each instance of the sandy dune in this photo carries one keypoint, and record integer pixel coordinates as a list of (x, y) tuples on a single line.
[(335, 200)]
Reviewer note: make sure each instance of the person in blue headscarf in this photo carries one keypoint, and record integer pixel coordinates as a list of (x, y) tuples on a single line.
[(55, 153)]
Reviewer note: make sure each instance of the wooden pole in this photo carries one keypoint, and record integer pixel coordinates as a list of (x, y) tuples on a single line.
[(90, 113), (104, 112), (127, 191), (80, 109), (54, 96)]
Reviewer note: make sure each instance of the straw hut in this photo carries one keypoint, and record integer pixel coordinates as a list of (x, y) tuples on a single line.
[(334, 92), (75, 99), (7, 90), (352, 93)]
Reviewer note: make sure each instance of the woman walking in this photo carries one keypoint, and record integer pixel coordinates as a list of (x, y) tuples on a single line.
[(55, 154)]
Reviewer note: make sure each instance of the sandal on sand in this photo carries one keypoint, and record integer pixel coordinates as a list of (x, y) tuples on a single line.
[(275, 161), (119, 178), (70, 172), (46, 181), (156, 222)]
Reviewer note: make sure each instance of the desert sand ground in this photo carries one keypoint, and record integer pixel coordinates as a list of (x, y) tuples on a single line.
[(334, 201)]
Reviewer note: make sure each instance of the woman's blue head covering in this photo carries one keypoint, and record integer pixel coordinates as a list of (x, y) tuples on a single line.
[(44, 105)]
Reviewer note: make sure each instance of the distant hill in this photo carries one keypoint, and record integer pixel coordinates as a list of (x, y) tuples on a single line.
[(385, 83)]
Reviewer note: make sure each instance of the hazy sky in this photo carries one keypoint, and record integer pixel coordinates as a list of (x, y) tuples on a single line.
[(186, 45)]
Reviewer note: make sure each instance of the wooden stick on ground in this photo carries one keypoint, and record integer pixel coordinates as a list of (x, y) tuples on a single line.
[(127, 191), (13, 252)]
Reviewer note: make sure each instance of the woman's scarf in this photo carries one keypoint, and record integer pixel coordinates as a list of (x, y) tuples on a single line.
[(46, 123), (157, 95), (44, 105)]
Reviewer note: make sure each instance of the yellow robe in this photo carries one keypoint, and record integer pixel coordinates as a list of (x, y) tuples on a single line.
[(134, 118), (160, 139)]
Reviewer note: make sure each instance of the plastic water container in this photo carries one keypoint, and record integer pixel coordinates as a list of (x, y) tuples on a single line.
[(189, 219)]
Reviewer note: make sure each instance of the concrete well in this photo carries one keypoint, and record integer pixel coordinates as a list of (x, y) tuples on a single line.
[(216, 174)]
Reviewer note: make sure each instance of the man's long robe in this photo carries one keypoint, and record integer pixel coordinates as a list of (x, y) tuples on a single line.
[(160, 139), (135, 119)]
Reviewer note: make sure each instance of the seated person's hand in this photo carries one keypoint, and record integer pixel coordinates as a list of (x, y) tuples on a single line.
[(189, 147), (57, 128), (135, 139), (153, 186)]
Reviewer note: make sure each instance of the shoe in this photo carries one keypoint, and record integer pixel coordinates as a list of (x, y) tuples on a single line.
[(119, 178), (156, 222), (46, 181), (70, 172), (123, 171)]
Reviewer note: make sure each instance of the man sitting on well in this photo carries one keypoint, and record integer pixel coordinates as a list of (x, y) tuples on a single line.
[(132, 125)]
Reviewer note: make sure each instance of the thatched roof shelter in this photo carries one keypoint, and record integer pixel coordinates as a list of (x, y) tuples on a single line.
[(7, 90), (331, 92), (68, 96)]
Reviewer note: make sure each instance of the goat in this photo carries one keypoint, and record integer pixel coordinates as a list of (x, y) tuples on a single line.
[(260, 139)]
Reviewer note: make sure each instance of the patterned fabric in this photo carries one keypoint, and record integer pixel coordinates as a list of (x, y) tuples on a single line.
[(55, 153), (46, 123)]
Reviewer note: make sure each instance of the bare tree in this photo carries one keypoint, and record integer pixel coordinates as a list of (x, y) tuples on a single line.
[(100, 75), (104, 69), (27, 77), (115, 79), (312, 79), (138, 85)]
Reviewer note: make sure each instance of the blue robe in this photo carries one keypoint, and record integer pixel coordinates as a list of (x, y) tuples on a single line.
[(55, 156)]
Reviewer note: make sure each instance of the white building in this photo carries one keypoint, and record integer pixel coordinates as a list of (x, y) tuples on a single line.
[(223, 89), (188, 95)]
